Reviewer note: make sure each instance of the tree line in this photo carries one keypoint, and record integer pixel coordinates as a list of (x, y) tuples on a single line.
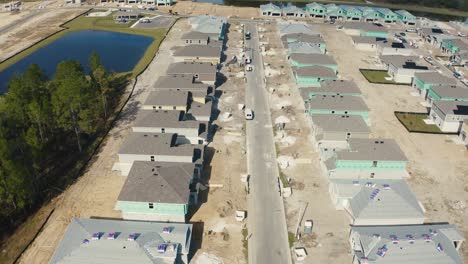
[(453, 4), (46, 125)]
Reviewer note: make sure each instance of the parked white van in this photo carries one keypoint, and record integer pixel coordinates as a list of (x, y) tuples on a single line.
[(249, 115)]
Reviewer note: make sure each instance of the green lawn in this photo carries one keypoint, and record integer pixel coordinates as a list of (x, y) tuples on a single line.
[(376, 76), (99, 23), (414, 122)]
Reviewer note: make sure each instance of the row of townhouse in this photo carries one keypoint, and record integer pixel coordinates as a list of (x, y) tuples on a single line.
[(341, 12), (446, 101), (367, 181), (147, 2), (454, 46), (162, 159)]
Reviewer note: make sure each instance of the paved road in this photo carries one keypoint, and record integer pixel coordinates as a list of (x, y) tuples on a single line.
[(268, 242)]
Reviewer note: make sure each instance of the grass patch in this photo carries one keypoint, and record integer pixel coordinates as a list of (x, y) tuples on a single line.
[(291, 239), (414, 122), (376, 76), (245, 243), (83, 22), (283, 178)]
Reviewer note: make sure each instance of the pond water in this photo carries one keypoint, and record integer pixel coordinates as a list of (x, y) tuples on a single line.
[(119, 52)]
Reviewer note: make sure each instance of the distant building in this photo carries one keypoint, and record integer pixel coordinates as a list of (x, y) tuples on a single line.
[(293, 11), (406, 244), (386, 15), (449, 115), (105, 241), (367, 159), (403, 68), (406, 17), (164, 2), (316, 10), (352, 13), (313, 75), (369, 14), (158, 191), (335, 12), (453, 46), (376, 202), (270, 10), (195, 37), (119, 16), (423, 81)]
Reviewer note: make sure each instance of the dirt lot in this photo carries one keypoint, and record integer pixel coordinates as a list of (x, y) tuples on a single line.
[(197, 8), (294, 146), (222, 234), (39, 25)]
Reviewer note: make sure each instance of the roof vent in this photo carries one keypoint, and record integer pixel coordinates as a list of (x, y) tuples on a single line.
[(96, 236), (410, 239), (394, 239), (168, 229), (386, 186), (132, 237), (427, 237), (162, 248), (111, 235)]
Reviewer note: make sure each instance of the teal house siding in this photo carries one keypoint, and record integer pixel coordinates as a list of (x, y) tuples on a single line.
[(365, 115), (294, 63), (312, 81), (158, 208), (347, 165), (315, 9)]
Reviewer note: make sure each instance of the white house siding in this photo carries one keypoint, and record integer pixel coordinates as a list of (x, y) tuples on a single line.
[(367, 174), (153, 217), (395, 221), (446, 125), (401, 75)]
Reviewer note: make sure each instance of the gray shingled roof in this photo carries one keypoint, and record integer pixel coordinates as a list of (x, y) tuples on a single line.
[(447, 91), (177, 81), (167, 97), (121, 249), (452, 107), (345, 103), (314, 71), (313, 58), (164, 119), (304, 48), (149, 182), (197, 51), (435, 78), (301, 37), (199, 109), (196, 35), (292, 28), (372, 149), (416, 243), (139, 143), (379, 199), (364, 26), (191, 68), (340, 86), (340, 123)]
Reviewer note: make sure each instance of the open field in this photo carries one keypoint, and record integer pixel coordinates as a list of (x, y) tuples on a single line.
[(376, 76), (414, 122), (98, 23)]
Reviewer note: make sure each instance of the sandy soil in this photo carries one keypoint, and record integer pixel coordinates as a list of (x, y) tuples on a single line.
[(197, 8), (310, 188), (222, 234), (37, 27)]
